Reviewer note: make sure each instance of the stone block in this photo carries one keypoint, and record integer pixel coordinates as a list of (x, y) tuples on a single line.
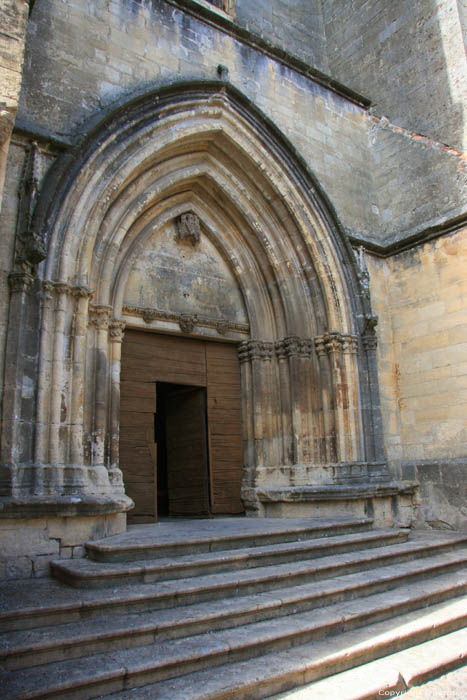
[(26, 539), (76, 530), (435, 413), (41, 566), (115, 524), (458, 334)]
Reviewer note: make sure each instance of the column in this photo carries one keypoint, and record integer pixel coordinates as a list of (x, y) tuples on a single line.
[(81, 295), (116, 331), (99, 315)]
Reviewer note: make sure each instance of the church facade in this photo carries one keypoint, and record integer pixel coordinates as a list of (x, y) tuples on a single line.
[(233, 266)]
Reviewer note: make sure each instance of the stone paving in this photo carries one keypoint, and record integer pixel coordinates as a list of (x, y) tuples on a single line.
[(451, 686)]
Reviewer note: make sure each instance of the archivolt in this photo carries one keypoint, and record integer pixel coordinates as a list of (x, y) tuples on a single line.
[(203, 148), (202, 151)]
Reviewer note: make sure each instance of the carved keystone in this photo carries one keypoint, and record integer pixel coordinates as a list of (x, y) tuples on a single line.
[(188, 229)]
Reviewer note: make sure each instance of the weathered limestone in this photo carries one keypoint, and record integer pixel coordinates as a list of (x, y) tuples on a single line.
[(13, 19), (29, 544), (206, 182), (421, 295), (234, 607), (303, 386)]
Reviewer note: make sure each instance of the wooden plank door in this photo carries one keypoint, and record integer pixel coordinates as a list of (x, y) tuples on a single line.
[(225, 428), (137, 448), (187, 454)]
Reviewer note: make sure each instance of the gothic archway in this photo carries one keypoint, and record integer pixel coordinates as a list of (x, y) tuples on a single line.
[(309, 389)]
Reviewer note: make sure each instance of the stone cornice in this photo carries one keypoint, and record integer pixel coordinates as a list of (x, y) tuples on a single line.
[(410, 240), (186, 322)]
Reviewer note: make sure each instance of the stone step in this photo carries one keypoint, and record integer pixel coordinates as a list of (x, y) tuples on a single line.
[(72, 604), (163, 539), (92, 636), (398, 644), (276, 646), (82, 573), (394, 674)]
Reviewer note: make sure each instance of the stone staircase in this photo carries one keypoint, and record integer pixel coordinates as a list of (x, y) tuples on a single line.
[(234, 608)]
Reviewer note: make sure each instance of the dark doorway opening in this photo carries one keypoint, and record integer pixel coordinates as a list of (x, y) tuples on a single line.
[(182, 450)]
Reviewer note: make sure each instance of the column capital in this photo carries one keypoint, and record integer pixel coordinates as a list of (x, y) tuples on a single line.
[(20, 281), (99, 316), (116, 330), (255, 350)]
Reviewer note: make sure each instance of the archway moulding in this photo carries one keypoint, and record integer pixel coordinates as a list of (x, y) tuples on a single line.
[(309, 382)]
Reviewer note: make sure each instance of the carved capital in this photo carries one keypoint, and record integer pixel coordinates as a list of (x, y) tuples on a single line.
[(47, 293), (20, 281), (116, 330), (320, 345), (255, 350), (369, 342), (99, 315), (333, 342), (188, 229), (61, 288), (243, 353), (305, 347), (281, 350), (187, 322), (292, 345), (48, 287), (81, 291), (349, 344)]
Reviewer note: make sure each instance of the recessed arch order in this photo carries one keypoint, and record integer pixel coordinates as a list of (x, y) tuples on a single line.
[(202, 149)]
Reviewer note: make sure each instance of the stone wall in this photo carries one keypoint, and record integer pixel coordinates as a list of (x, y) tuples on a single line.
[(137, 47), (418, 183), (13, 19), (296, 27), (29, 544), (69, 83), (420, 296), (385, 181), (408, 57), (72, 82)]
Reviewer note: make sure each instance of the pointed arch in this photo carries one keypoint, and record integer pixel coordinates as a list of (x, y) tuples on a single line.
[(202, 148)]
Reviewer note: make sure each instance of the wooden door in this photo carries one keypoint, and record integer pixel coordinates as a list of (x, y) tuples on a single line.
[(138, 449), (151, 357), (187, 455), (225, 428)]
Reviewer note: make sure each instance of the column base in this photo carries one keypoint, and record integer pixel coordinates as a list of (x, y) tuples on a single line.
[(392, 504), (50, 511)]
